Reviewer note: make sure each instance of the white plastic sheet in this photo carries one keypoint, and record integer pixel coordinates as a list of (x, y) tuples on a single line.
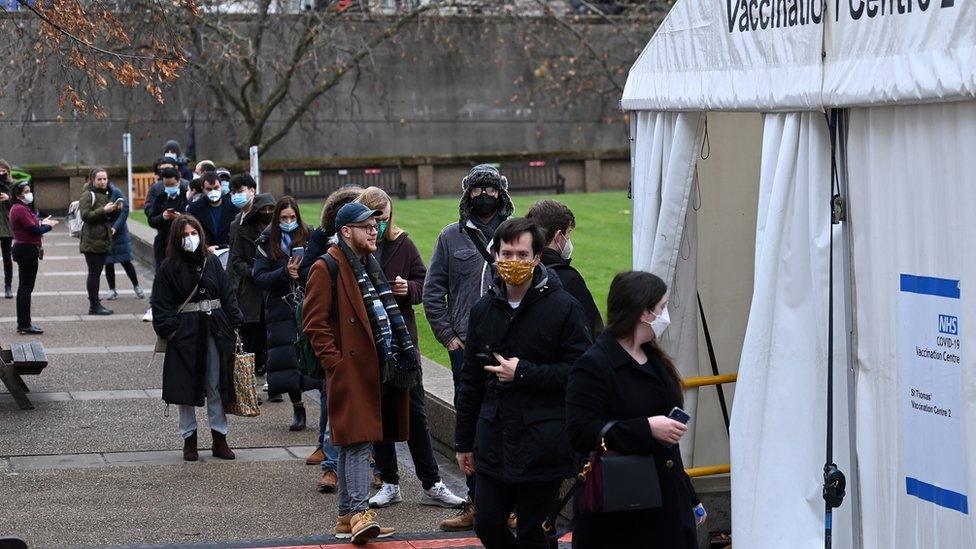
[(778, 421), (664, 236), (912, 194)]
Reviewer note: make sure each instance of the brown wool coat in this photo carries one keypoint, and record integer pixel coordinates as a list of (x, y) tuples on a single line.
[(345, 347)]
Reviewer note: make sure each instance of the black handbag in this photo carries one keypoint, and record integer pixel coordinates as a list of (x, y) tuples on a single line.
[(610, 482)]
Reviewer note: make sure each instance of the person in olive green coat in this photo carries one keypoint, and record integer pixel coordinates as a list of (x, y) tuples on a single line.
[(98, 211)]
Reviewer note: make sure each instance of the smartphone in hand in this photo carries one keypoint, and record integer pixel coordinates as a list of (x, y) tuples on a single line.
[(298, 252), (679, 415)]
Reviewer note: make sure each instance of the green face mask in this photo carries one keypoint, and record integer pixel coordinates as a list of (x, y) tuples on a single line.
[(381, 229)]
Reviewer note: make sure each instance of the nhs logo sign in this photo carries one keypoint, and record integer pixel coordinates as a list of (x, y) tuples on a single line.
[(948, 325)]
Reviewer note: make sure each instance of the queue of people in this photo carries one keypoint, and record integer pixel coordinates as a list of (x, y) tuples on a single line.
[(540, 381)]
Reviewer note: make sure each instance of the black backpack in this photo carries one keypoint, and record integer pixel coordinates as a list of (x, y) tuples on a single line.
[(308, 363)]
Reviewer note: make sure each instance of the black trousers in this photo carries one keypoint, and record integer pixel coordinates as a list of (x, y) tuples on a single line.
[(254, 337), (421, 449), (531, 501), (130, 271), (95, 264), (26, 256), (6, 248), (457, 362)]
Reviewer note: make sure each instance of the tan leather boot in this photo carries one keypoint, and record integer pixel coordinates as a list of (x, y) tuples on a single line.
[(462, 521), (329, 482), (343, 528), (365, 527)]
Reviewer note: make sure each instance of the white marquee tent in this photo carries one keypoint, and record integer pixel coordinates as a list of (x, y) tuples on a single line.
[(898, 77)]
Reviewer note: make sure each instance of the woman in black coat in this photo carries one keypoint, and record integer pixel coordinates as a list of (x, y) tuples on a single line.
[(199, 361), (276, 272), (626, 377)]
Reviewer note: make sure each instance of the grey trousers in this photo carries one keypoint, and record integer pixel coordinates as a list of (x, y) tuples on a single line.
[(355, 478), (215, 407)]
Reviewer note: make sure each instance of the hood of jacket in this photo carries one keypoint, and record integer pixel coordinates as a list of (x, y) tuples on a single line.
[(262, 200)]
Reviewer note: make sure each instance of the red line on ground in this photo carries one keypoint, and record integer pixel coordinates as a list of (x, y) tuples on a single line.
[(445, 543)]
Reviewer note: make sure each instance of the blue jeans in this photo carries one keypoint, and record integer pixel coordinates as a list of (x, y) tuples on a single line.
[(457, 362), (331, 461)]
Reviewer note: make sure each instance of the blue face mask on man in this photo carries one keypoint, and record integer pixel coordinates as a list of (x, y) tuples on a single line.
[(288, 227), (239, 199), (225, 187), (171, 191)]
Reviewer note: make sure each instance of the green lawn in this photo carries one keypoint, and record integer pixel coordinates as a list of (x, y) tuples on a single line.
[(602, 240)]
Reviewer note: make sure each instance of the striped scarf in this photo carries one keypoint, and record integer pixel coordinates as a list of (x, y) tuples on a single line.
[(399, 359)]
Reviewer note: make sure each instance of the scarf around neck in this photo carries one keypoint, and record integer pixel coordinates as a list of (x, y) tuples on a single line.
[(399, 360)]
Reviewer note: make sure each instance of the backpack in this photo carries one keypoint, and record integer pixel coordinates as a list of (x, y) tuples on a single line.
[(308, 363), (75, 222)]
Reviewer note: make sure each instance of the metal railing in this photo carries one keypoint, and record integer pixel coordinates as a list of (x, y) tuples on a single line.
[(707, 381)]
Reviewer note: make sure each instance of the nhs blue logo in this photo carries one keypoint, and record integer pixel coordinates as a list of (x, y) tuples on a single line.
[(948, 325)]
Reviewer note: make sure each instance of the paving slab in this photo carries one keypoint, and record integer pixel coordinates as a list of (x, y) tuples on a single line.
[(71, 461), (97, 372), (109, 331), (80, 427), (184, 503)]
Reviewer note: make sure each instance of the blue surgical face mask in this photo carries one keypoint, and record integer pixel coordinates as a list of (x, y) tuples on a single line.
[(288, 227), (239, 199), (225, 187), (171, 191)]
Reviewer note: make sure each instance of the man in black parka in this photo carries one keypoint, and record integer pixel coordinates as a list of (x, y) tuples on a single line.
[(524, 336)]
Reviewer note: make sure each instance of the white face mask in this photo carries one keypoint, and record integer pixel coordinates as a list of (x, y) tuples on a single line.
[(170, 155), (567, 252), (191, 243), (214, 195), (28, 198), (660, 323)]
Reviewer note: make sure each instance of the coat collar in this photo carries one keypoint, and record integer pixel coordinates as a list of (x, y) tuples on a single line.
[(617, 355)]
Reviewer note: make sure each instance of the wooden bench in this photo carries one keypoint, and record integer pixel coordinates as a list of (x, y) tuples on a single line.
[(140, 188), (22, 359), (322, 183), (533, 175)]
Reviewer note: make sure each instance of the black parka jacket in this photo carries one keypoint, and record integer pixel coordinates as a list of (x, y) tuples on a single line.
[(244, 234), (517, 429), (574, 284), (607, 384), (271, 275), (185, 366)]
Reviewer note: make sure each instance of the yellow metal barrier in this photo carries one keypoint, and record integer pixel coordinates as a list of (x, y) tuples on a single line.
[(703, 381), (708, 470)]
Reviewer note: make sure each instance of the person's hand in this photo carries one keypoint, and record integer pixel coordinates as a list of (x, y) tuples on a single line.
[(109, 208), (700, 515), (212, 249), (169, 215), (466, 462), (50, 222), (4, 197), (505, 371), (293, 263), (113, 231), (454, 345), (399, 286), (666, 430)]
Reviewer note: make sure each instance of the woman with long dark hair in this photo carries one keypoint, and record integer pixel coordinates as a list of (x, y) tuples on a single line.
[(28, 230), (626, 377), (98, 211), (194, 308), (276, 272)]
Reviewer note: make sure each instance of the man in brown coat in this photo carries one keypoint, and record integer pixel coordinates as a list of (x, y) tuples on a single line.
[(342, 336)]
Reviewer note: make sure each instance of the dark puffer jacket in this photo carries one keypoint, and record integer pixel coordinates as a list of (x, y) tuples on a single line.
[(271, 275), (517, 430), (245, 232), (121, 240)]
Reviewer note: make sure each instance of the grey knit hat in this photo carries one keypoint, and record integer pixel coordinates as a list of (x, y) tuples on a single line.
[(484, 175)]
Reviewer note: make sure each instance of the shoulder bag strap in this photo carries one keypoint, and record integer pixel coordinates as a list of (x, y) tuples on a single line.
[(193, 292)]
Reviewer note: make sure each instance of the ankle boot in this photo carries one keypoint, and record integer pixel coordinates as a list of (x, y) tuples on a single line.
[(8, 293), (190, 448), (298, 424), (96, 308), (220, 448), (139, 292)]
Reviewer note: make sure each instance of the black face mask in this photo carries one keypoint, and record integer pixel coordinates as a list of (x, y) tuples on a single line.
[(265, 218), (484, 205), (4, 179)]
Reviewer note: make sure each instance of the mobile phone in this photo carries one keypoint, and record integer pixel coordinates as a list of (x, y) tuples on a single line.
[(679, 415), (298, 252), (119, 200)]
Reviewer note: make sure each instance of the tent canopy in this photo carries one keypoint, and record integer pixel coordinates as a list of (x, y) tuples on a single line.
[(792, 55)]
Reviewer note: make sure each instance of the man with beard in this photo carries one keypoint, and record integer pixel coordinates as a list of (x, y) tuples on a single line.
[(460, 273)]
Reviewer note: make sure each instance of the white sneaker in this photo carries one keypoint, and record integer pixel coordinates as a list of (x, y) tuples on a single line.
[(148, 316), (441, 496), (387, 495)]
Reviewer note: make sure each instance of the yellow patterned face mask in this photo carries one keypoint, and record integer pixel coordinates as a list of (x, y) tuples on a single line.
[(515, 272)]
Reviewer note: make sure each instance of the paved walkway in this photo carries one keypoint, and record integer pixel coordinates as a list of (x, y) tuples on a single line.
[(98, 462)]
